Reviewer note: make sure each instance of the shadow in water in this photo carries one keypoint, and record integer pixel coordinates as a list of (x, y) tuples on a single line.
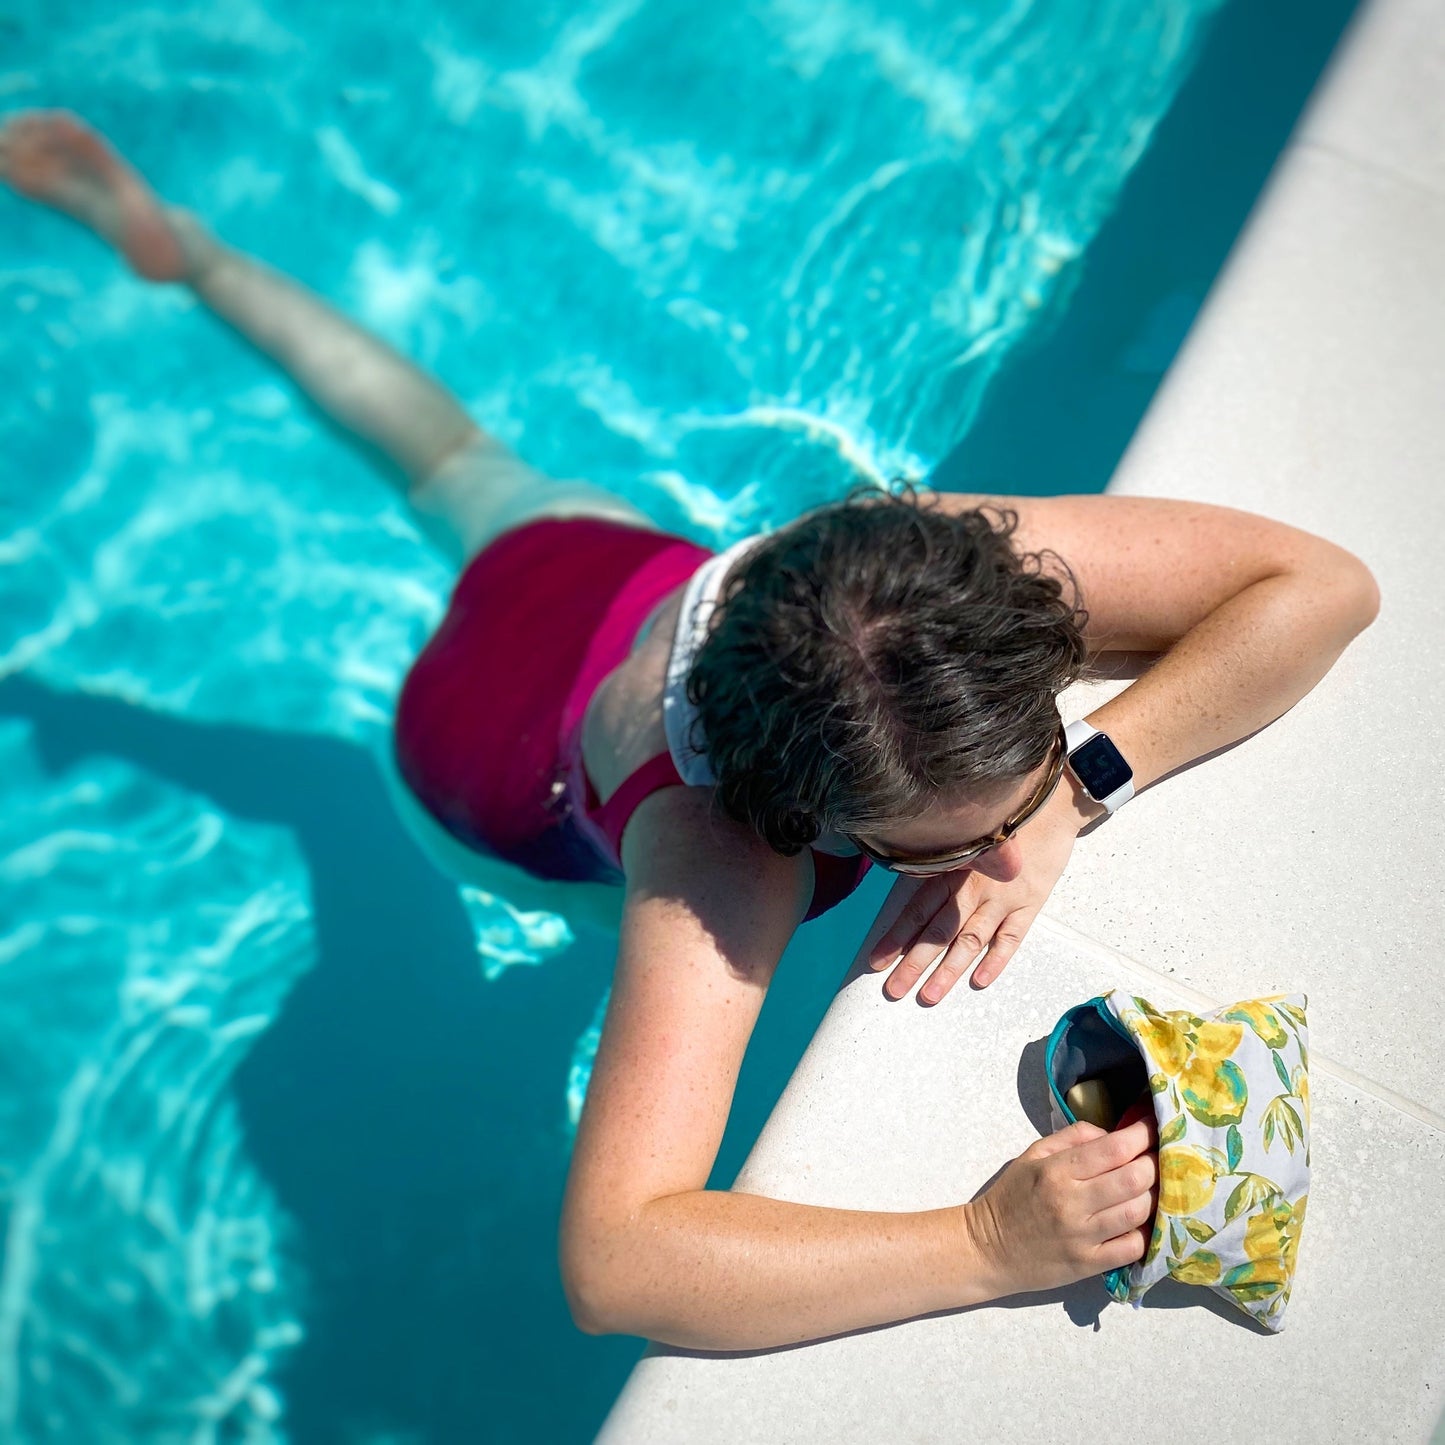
[(1060, 414), (409, 1115)]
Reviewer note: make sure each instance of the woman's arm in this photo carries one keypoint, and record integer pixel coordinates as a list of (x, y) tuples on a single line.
[(1249, 614), (646, 1249)]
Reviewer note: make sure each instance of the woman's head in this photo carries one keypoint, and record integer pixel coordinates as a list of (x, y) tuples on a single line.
[(878, 654)]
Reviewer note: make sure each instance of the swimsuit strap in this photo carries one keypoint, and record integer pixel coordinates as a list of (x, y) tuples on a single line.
[(682, 764), (834, 878), (614, 815), (837, 867)]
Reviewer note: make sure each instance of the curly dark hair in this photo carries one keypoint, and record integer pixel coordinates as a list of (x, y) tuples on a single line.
[(874, 653)]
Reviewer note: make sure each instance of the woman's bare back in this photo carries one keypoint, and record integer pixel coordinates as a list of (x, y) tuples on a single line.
[(622, 727)]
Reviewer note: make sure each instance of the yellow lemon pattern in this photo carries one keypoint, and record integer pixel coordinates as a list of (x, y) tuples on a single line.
[(1216, 1094), (1231, 1093), (1186, 1179), (1201, 1267), (1273, 1234)]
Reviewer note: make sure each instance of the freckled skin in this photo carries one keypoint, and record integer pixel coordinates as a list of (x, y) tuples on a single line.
[(1245, 614)]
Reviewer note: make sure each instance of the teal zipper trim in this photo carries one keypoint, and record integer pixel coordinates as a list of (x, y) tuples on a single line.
[(1116, 1281), (1102, 1009)]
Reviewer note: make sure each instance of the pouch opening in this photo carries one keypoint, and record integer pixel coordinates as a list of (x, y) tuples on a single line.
[(1086, 1046)]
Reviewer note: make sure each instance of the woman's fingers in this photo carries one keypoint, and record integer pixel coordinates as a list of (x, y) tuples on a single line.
[(931, 928), (946, 925), (928, 897), (928, 934), (933, 938), (1067, 1138), (1106, 1152), (932, 931), (1128, 1215), (1072, 1204), (1132, 1181), (1126, 1248), (1006, 939), (1122, 1200), (971, 940)]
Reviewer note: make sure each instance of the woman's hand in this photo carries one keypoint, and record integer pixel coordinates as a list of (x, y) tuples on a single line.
[(961, 914), (1077, 1203)]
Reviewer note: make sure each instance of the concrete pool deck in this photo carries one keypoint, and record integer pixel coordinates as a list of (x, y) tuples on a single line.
[(1312, 388)]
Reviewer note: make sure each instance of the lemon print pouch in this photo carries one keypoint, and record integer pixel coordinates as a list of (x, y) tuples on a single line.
[(1230, 1093)]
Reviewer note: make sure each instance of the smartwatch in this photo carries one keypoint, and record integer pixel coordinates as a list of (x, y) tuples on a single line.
[(1098, 765)]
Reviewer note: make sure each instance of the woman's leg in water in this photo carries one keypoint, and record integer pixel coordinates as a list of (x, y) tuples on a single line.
[(464, 485)]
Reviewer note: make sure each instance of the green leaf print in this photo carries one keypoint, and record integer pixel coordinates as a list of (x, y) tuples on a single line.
[(1242, 1284), (1294, 1128), (1248, 1294), (1280, 1118), (1156, 1238), (1173, 1130), (1218, 1160), (1280, 1069), (1294, 1015), (1199, 1229), (1158, 1083), (1176, 1240), (1236, 1147), (1251, 1190)]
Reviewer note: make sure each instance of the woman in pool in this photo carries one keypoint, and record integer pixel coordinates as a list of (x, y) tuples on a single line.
[(732, 739)]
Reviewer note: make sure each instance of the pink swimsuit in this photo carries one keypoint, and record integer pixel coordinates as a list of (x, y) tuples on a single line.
[(489, 720)]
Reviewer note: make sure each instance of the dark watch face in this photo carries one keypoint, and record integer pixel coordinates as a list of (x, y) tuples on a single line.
[(1100, 767)]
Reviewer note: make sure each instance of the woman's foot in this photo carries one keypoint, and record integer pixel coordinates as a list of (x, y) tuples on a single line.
[(53, 157)]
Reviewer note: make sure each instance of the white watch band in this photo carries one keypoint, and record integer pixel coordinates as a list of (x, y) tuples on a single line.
[(1076, 734)]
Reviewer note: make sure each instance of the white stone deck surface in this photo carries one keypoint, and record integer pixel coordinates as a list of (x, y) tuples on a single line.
[(1310, 857)]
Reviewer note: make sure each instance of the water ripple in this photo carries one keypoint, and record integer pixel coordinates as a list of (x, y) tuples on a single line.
[(143, 944)]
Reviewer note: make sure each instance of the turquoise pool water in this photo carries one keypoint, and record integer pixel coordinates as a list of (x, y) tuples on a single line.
[(285, 1116)]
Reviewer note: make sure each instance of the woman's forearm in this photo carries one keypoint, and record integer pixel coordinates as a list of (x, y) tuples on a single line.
[(737, 1271), (1243, 666), (731, 1271)]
